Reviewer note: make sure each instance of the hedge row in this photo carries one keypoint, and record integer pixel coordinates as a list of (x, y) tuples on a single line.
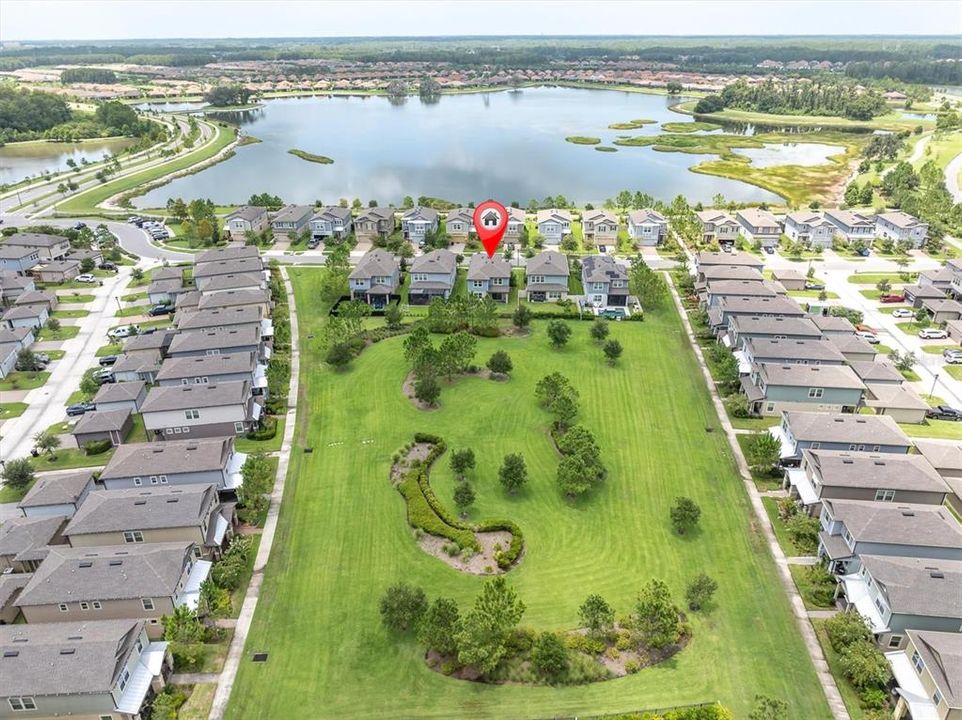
[(504, 558)]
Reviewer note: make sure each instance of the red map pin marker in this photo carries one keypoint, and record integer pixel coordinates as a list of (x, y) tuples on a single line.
[(490, 222)]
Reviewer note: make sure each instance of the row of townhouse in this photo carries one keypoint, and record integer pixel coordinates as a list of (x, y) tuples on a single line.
[(46, 258), (811, 227)]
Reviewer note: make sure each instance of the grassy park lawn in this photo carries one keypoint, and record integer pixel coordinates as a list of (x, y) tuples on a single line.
[(343, 538), (18, 380)]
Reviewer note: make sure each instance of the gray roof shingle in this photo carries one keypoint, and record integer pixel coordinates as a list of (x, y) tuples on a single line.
[(171, 457)]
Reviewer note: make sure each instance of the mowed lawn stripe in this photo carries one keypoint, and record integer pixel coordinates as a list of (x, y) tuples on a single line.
[(342, 536)]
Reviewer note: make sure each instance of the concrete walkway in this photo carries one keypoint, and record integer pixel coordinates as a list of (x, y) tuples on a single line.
[(236, 652), (822, 614), (192, 678), (839, 712), (809, 560)]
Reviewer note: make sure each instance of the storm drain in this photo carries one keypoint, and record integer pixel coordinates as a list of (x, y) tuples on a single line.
[(260, 657)]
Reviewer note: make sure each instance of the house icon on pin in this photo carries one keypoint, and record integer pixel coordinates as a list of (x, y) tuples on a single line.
[(491, 218)]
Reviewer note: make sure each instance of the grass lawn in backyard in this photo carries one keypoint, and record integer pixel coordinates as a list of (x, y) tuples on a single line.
[(23, 380), (198, 704), (755, 423), (71, 458), (942, 429), (65, 332), (781, 532), (10, 410), (10, 494), (800, 574), (273, 445), (763, 481), (343, 536)]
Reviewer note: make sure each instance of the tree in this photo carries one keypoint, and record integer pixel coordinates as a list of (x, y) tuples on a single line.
[(596, 615), (338, 267), (87, 265), (865, 666), (46, 441), (700, 590), (500, 363), (438, 626), (612, 350), (27, 361), (656, 616), (883, 285), (647, 285), (137, 274), (763, 451), (513, 473), (521, 317), (456, 353), (463, 496), (18, 473), (183, 626), (600, 330), (673, 87), (558, 332), (684, 514), (767, 708), (426, 388), (339, 355), (393, 316), (483, 633), (565, 410), (402, 606), (53, 324), (549, 657), (847, 628), (904, 362), (462, 461)]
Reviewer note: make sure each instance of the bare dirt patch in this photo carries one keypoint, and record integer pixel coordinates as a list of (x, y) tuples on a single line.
[(475, 563)]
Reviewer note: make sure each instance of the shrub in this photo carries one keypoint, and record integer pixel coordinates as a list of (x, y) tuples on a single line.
[(402, 606), (96, 447), (549, 657), (847, 628), (585, 643), (632, 666), (267, 431)]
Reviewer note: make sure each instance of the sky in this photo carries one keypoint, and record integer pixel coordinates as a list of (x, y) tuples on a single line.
[(130, 19)]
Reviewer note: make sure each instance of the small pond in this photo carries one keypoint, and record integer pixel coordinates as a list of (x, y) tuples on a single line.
[(803, 154)]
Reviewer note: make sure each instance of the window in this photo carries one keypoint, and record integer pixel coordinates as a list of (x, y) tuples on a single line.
[(138, 481), (124, 678), (880, 606), (84, 605), (133, 536), (816, 392), (238, 427), (192, 414), (176, 431), (106, 717), (186, 430), (22, 703), (876, 448), (885, 495), (937, 696), (148, 603), (153, 480), (96, 605), (184, 381), (63, 607), (917, 662), (163, 479), (770, 407), (815, 445)]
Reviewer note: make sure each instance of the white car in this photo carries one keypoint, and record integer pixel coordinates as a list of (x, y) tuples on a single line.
[(902, 313), (86, 278), (870, 338), (122, 332), (933, 334)]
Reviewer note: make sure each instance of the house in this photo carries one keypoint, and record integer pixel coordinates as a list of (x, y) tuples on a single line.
[(833, 326), (172, 272), (459, 223), (546, 277), (516, 223), (759, 226), (789, 279), (915, 295), (121, 396), (141, 365), (202, 410), (419, 222), (898, 401), (245, 219), (708, 273), (234, 281), (799, 431), (230, 252), (711, 259), (647, 227), (943, 310), (553, 225), (864, 471), (222, 319), (432, 275), (787, 352), (204, 273), (742, 327), (95, 425), (773, 388), (899, 226), (13, 285), (81, 254), (237, 339), (291, 219), (11, 343), (135, 581), (852, 225), (39, 297), (854, 348), (374, 223), (600, 226), (946, 458), (49, 247), (810, 228), (940, 278), (189, 513), (33, 317), (8, 358), (489, 276), (10, 586), (376, 278), (260, 297), (25, 541), (332, 222), (207, 369), (715, 290), (86, 668), (59, 493), (605, 282), (954, 329), (896, 594), (729, 306), (175, 462), (17, 258), (165, 292), (719, 226), (851, 528), (57, 271), (926, 675)]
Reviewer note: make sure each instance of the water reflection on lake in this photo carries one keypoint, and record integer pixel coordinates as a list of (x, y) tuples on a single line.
[(804, 154), (21, 160)]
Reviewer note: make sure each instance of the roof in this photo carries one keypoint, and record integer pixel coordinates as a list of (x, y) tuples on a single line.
[(183, 397), (602, 268), (220, 317), (901, 220), (332, 212), (10, 280), (436, 261), (795, 375), (32, 297), (897, 524), (554, 215), (807, 217), (24, 534), (845, 428), (895, 397), (744, 288), (102, 421), (871, 371), (206, 365), (937, 305), (15, 252), (893, 471), (165, 286), (40, 667), (646, 216), (10, 586), (227, 267), (787, 274), (13, 335), (212, 339), (138, 361), (482, 267), (119, 392), (171, 457), (943, 456), (109, 572), (376, 262), (833, 323), (764, 325), (852, 343), (549, 262), (600, 216), (150, 341), (36, 240), (461, 214), (924, 291), (709, 257), (819, 350), (377, 214), (234, 281), (24, 312), (942, 654), (849, 218), (775, 305), (293, 213), (730, 272), (757, 217), (918, 586), (714, 217), (57, 489), (234, 298), (941, 274), (58, 266), (425, 214), (107, 511), (173, 272), (248, 213)]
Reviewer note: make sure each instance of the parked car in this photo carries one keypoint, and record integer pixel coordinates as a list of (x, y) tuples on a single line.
[(122, 331), (135, 219), (952, 357), (160, 310), (866, 328), (933, 334), (892, 298), (864, 253), (86, 278), (104, 376), (107, 265), (769, 249), (109, 360), (944, 412), (870, 338), (79, 225), (313, 243), (814, 285), (902, 313), (80, 408), (42, 357)]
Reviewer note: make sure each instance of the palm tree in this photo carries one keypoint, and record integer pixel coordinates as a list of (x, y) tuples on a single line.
[(47, 442)]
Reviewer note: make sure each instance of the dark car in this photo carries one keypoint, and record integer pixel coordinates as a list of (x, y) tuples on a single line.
[(160, 310), (79, 225), (108, 266), (108, 360), (770, 250), (944, 412), (80, 408)]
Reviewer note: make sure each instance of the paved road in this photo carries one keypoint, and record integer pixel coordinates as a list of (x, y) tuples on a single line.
[(952, 171)]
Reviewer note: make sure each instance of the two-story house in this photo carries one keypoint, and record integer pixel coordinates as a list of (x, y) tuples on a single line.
[(600, 226), (647, 227), (516, 223), (852, 225), (234, 281), (332, 222), (719, 226), (926, 676), (605, 282), (214, 369), (707, 260), (432, 275), (787, 352), (717, 289), (25, 541), (32, 317), (18, 259), (201, 321), (204, 410), (374, 223), (772, 388), (13, 285), (759, 226), (175, 462), (810, 228), (899, 226), (800, 431), (240, 339), (375, 278), (553, 225), (245, 219), (459, 223), (58, 493), (49, 247), (205, 273), (292, 219), (132, 581), (546, 277), (220, 254), (726, 307), (743, 327), (489, 276), (419, 222), (260, 297)]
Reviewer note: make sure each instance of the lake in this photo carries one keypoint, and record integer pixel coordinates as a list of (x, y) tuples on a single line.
[(506, 145), (20, 160)]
